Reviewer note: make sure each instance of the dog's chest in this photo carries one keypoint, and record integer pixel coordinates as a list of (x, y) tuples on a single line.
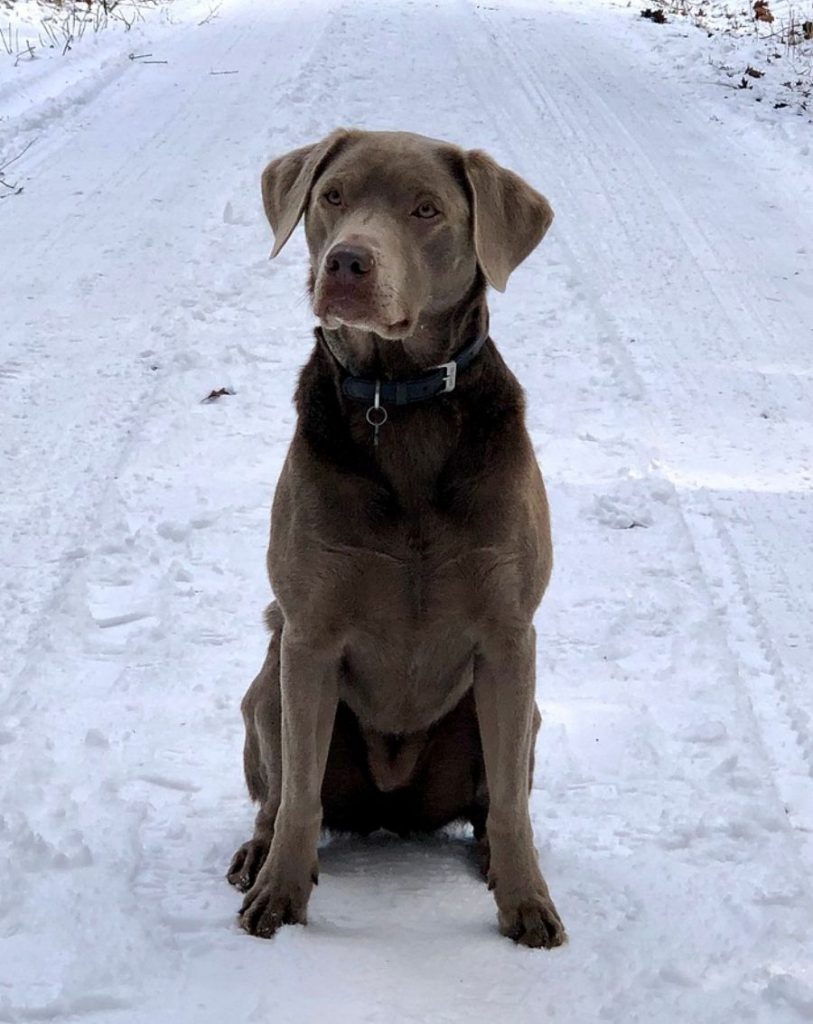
[(426, 574), (411, 617), (421, 576)]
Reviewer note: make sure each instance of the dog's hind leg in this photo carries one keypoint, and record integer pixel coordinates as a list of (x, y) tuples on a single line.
[(262, 760)]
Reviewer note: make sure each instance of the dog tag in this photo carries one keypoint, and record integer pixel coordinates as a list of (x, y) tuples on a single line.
[(376, 415)]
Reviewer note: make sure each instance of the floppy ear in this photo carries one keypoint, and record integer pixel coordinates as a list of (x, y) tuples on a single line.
[(286, 184), (510, 218)]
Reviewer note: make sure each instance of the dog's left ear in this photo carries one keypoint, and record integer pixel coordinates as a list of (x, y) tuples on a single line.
[(287, 181), (510, 218)]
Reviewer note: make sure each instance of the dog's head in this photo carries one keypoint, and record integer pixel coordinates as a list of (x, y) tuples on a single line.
[(398, 224)]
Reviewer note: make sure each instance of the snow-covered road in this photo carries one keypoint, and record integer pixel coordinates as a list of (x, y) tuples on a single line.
[(663, 332)]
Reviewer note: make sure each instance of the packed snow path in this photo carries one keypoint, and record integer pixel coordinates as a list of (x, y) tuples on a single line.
[(663, 334)]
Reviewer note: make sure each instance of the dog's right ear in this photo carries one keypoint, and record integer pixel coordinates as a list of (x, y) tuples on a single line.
[(286, 184)]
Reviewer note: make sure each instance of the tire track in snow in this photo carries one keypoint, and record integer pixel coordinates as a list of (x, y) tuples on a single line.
[(90, 374), (780, 718), (786, 725), (516, 114), (79, 415)]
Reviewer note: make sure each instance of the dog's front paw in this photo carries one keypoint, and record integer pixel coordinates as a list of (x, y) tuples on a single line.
[(246, 863), (272, 903), (533, 922)]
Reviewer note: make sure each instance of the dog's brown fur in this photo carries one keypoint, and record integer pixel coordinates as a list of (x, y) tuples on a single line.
[(398, 688)]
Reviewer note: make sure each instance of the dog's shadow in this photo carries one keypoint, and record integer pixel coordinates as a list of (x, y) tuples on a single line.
[(372, 882), (385, 855)]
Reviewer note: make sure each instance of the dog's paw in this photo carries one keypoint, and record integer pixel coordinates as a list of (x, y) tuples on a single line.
[(533, 922), (267, 907), (246, 863)]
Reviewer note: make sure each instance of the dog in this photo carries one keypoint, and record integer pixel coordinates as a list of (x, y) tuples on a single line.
[(410, 538)]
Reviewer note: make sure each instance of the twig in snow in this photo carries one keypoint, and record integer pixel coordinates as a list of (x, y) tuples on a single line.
[(211, 15), (27, 52), (214, 395), (49, 31), (14, 159), (13, 190), (143, 58), (224, 72)]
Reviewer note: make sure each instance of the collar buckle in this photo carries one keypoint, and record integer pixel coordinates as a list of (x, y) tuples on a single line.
[(450, 379)]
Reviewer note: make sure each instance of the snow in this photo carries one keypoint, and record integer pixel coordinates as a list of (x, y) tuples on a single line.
[(663, 334)]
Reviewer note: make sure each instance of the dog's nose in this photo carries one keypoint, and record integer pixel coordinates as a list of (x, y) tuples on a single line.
[(349, 262)]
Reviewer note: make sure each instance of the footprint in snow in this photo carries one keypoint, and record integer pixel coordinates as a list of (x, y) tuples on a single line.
[(619, 513)]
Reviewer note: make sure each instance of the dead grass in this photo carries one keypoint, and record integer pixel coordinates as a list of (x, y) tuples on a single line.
[(62, 23), (782, 21), (782, 33)]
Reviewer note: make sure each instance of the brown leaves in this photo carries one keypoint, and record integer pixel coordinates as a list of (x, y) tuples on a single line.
[(807, 29), (655, 15), (762, 11), (749, 73)]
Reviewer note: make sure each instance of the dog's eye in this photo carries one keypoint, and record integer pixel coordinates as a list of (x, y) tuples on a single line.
[(426, 211), (333, 196)]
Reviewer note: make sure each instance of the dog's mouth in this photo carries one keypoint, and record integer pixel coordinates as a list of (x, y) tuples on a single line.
[(337, 313)]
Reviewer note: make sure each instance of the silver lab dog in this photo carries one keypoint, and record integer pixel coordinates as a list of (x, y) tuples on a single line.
[(410, 540)]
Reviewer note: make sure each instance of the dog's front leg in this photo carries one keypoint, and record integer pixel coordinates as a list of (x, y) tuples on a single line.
[(309, 686), (504, 693)]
